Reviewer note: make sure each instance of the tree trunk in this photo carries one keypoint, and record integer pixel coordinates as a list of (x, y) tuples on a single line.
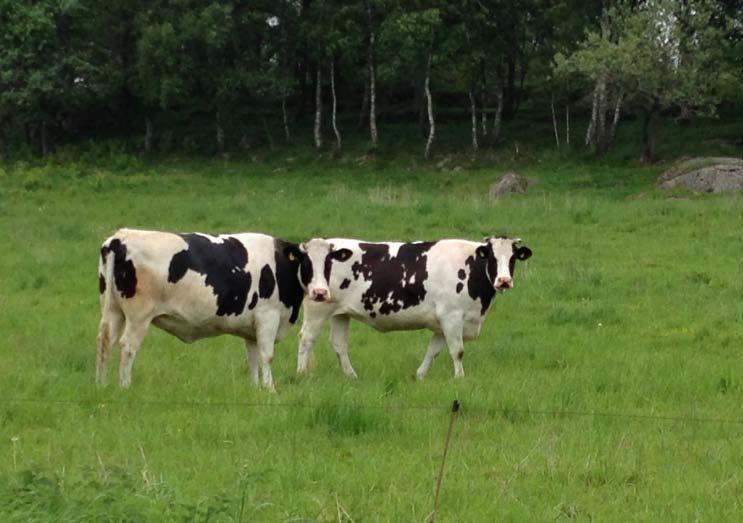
[(372, 79), (473, 110), (285, 118), (601, 144), (332, 91), (554, 119), (318, 109), (220, 132), (497, 118), (429, 102), (567, 125), (44, 138), (372, 95), (590, 132), (648, 138), (148, 132), (483, 100), (615, 120)]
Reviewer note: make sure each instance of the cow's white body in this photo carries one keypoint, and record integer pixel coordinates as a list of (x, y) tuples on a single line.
[(145, 278), (444, 286)]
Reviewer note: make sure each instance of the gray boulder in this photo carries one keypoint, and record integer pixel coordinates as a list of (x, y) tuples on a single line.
[(714, 174), (510, 183)]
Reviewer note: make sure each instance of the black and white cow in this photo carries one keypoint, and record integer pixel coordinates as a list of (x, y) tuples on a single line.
[(195, 286), (445, 286)]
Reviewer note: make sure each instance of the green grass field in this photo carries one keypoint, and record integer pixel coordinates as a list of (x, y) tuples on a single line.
[(598, 390)]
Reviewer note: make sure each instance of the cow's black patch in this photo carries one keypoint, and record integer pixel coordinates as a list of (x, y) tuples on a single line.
[(462, 275), (373, 314), (390, 276), (125, 275), (460, 286), (340, 255), (101, 284), (253, 301), (288, 261), (345, 283), (223, 264), (266, 283), (483, 270)]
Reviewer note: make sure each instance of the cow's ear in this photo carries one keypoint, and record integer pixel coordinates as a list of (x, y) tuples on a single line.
[(483, 251), (523, 253), (293, 253), (341, 255)]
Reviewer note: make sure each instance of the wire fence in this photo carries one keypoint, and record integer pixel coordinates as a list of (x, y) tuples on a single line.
[(467, 411)]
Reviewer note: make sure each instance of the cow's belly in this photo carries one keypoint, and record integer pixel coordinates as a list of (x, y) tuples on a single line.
[(189, 330), (414, 318)]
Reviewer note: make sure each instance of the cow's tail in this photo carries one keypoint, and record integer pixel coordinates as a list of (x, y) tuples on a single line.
[(110, 325)]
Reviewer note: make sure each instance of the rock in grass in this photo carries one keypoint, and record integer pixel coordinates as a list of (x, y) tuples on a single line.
[(714, 174), (510, 183)]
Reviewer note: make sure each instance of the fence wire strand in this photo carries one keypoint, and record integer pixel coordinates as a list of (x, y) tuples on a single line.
[(467, 411)]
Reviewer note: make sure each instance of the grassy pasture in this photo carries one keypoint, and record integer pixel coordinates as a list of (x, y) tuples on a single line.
[(630, 305)]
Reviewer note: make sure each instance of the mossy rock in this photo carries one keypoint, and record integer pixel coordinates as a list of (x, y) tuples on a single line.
[(712, 174)]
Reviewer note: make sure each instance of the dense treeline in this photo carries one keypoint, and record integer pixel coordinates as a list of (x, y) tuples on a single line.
[(218, 75)]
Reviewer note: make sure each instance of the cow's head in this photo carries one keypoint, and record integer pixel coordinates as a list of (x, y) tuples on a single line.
[(316, 258), (501, 254)]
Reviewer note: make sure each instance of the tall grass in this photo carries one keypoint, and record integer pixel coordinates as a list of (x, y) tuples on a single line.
[(579, 399)]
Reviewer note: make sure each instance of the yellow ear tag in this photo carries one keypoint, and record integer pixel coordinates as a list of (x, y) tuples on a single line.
[(291, 256)]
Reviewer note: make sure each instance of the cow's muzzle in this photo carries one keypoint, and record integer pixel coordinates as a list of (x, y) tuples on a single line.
[(320, 295), (503, 283)]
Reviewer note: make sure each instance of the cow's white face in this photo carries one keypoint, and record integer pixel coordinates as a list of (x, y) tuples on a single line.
[(502, 254), (317, 257)]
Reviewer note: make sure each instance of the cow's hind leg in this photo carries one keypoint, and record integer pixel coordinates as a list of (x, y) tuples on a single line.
[(130, 342), (452, 328), (339, 341), (108, 335), (434, 347), (254, 361)]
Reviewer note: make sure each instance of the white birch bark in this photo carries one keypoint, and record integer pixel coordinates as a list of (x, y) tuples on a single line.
[(429, 103), (594, 115), (318, 109), (554, 119), (372, 93), (601, 122), (473, 110), (332, 90), (617, 112), (285, 119)]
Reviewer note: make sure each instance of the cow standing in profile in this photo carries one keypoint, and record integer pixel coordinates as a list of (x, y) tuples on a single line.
[(196, 286), (445, 286)]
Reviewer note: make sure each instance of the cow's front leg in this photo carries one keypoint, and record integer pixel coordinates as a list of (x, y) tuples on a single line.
[(266, 329), (314, 317), (339, 341), (434, 347), (254, 361), (452, 328)]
